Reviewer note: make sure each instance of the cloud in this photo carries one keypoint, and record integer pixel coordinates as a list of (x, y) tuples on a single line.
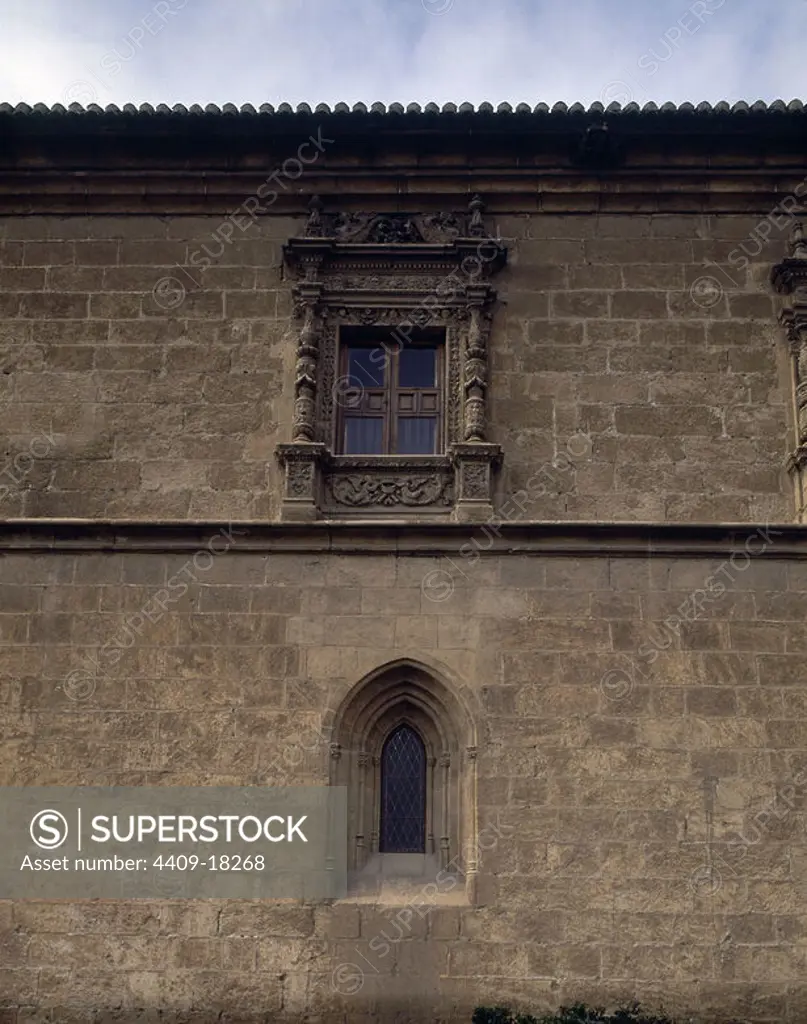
[(170, 51)]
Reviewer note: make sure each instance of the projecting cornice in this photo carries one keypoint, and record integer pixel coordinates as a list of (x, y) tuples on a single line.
[(405, 538), (704, 159)]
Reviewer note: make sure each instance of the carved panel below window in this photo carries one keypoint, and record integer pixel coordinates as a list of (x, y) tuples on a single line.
[(396, 484)]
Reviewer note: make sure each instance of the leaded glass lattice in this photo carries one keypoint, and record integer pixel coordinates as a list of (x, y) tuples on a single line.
[(403, 793)]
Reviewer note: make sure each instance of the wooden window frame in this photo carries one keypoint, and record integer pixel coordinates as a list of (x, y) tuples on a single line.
[(351, 338)]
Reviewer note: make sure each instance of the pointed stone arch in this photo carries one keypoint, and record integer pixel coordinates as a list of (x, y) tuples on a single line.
[(409, 692)]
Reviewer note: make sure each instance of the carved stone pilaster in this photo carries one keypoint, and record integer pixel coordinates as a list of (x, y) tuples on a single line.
[(474, 459), (476, 369), (300, 461), (474, 465), (789, 278), (362, 762), (305, 372)]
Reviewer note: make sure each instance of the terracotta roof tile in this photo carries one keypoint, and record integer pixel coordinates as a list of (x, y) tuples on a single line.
[(464, 109)]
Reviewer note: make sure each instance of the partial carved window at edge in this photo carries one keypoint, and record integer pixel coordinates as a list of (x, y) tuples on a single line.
[(418, 287)]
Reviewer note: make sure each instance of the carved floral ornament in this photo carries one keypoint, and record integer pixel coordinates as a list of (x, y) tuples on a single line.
[(357, 490), (396, 228), (399, 272)]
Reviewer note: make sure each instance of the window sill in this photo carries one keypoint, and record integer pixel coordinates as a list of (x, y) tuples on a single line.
[(320, 485), (407, 880), (388, 461)]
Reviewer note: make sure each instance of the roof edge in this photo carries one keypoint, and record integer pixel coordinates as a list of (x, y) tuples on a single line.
[(739, 109)]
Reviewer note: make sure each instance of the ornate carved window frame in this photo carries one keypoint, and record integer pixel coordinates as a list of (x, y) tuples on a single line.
[(403, 272)]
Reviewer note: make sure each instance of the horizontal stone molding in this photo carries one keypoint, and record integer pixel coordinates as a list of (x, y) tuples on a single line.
[(660, 189), (408, 537)]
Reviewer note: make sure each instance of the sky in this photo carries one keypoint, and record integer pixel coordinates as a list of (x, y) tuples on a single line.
[(271, 51)]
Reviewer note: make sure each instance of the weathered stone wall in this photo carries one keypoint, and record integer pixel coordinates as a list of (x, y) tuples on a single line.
[(606, 690), (657, 335), (153, 404), (170, 404)]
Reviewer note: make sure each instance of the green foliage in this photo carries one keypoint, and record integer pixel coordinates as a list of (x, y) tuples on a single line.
[(578, 1014)]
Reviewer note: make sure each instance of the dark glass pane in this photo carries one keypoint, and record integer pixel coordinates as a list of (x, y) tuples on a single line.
[(417, 367), (403, 793), (416, 435), (364, 435), (365, 366)]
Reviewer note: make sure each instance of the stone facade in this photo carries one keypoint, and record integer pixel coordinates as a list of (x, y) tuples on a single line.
[(616, 649), (172, 413)]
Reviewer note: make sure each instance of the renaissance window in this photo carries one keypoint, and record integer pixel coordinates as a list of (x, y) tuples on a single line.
[(393, 393), (393, 315)]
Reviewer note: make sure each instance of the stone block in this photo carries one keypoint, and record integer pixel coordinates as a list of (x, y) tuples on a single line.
[(588, 305)]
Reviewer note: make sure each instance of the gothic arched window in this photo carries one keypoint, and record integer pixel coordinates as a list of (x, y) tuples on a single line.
[(404, 746), (403, 792)]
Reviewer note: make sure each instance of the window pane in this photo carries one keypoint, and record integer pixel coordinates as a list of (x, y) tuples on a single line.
[(365, 366), (403, 793), (416, 435), (417, 367), (364, 436)]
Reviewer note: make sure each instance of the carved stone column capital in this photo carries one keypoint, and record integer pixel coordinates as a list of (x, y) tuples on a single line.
[(790, 275), (793, 319), (797, 459)]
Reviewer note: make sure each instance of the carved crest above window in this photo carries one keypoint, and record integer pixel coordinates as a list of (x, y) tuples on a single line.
[(393, 313)]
